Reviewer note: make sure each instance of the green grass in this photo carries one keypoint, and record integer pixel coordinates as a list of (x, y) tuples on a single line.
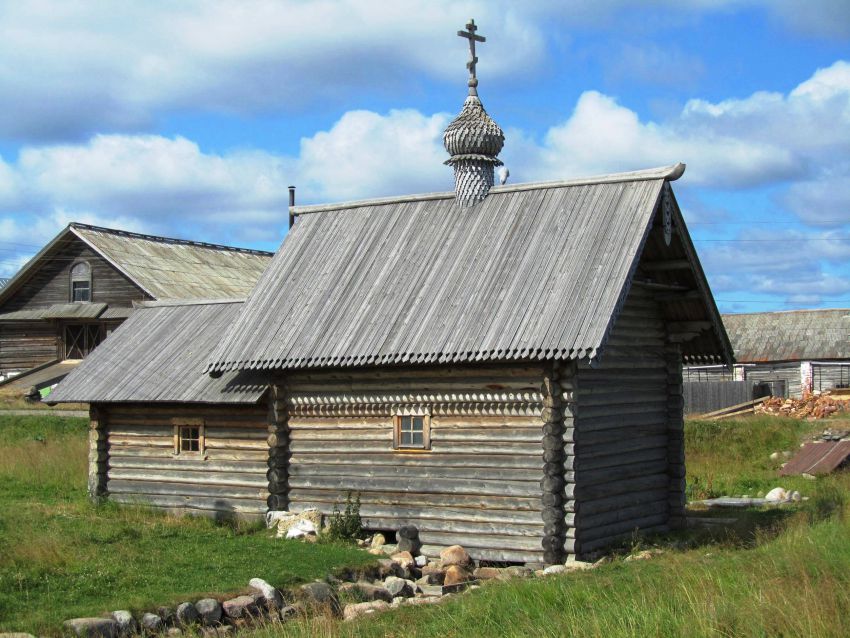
[(774, 573), (62, 557)]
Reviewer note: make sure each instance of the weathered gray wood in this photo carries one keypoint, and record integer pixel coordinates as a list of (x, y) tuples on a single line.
[(213, 490), (98, 459), (434, 486), (490, 554), (405, 471), (418, 499)]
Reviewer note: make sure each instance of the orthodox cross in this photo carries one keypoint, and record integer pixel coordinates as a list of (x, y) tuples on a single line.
[(469, 34)]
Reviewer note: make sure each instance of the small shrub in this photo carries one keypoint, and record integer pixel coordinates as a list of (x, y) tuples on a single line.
[(699, 489), (346, 526)]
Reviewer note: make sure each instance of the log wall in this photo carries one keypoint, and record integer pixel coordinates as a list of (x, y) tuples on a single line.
[(51, 284), (24, 345), (621, 447), (478, 486), (229, 479)]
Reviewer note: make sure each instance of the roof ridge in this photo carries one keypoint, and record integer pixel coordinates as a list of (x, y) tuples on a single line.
[(171, 240), (669, 173), (186, 302)]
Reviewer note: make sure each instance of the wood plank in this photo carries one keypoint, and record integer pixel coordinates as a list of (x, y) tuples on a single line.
[(418, 499)]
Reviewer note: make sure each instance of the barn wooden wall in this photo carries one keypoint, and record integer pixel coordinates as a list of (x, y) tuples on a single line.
[(620, 477), (142, 466), (24, 345), (50, 284), (479, 486)]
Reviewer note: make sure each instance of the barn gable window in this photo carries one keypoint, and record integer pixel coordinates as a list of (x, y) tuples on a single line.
[(81, 282), (412, 432), (189, 438)]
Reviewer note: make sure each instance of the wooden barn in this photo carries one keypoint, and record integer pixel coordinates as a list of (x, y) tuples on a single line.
[(85, 282), (162, 432)]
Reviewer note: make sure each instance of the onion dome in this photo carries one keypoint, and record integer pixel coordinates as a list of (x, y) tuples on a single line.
[(473, 135)]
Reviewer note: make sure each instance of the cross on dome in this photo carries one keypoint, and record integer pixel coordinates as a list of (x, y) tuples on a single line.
[(470, 35)]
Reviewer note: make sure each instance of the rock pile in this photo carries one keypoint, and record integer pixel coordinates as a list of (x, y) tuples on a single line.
[(811, 406)]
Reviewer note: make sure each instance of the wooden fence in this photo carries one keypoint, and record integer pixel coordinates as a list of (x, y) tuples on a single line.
[(708, 396)]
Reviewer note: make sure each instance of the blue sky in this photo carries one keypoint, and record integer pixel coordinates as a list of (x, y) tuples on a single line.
[(191, 119)]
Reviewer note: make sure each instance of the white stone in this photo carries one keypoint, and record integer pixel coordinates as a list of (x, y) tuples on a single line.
[(271, 594), (796, 496), (554, 569), (301, 528), (421, 561), (774, 456), (776, 495)]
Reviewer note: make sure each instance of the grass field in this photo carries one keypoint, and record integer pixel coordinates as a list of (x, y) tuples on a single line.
[(777, 573), (62, 557)]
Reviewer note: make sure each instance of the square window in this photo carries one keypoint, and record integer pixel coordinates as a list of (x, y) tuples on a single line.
[(188, 439), (80, 291), (412, 432)]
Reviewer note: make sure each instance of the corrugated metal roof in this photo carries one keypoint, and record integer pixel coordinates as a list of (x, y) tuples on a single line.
[(158, 355), (533, 272), (789, 336), (174, 269), (819, 457)]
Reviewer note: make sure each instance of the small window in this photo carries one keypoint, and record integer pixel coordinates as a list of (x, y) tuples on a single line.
[(81, 282), (188, 438), (412, 432)]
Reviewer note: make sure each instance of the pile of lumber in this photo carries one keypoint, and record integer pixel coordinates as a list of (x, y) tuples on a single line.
[(741, 409), (811, 406)]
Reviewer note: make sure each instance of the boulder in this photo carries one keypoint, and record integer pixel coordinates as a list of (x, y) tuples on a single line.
[(519, 571), (174, 632), (388, 567), (399, 587), (389, 550), (356, 610), (167, 615), (209, 610), (431, 590), (272, 597), (151, 623), (776, 495), (291, 611), (186, 614), (456, 576), (488, 573), (378, 540), (240, 607), (554, 569), (435, 575), (574, 565), (455, 555), (408, 540), (127, 625), (367, 591), (405, 559), (421, 561), (92, 627), (319, 594)]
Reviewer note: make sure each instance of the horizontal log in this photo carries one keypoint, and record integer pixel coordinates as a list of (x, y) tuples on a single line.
[(589, 492), (168, 453), (419, 499), (625, 431), (481, 541), (609, 503), (402, 470), (600, 543), (619, 472), (432, 486), (429, 526), (624, 514), (438, 393), (433, 512), (621, 527), (621, 447), (119, 486), (388, 457), (224, 506), (187, 464), (590, 423), (357, 447), (496, 555), (234, 479)]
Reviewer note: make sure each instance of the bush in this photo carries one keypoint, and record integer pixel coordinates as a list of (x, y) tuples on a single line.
[(346, 526)]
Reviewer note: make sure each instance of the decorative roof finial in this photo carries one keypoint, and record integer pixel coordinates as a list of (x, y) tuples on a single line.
[(473, 139), (469, 34)]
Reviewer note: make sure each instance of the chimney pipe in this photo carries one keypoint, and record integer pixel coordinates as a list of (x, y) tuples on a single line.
[(291, 206)]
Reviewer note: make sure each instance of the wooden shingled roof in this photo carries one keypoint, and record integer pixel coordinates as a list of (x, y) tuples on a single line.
[(163, 267), (534, 272), (158, 355), (790, 336)]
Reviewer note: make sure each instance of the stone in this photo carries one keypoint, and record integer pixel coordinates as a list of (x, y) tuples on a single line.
[(408, 540), (301, 529), (151, 623), (389, 550), (421, 561), (776, 495), (399, 587), (92, 627), (368, 591), (388, 567), (209, 610), (378, 540), (518, 571), (774, 456), (376, 551), (272, 597), (16, 634), (425, 600), (488, 573), (291, 611), (355, 610), (186, 614), (431, 590), (174, 632), (398, 600), (320, 594), (435, 575), (220, 631), (455, 555), (574, 565), (404, 559), (240, 607), (167, 615), (796, 496), (456, 576), (554, 569), (644, 555), (127, 625)]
